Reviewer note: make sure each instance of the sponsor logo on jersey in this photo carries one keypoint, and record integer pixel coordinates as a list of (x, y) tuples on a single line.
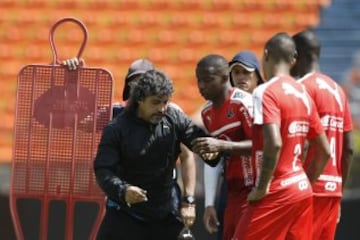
[(332, 178), (298, 128), (293, 179), (303, 185), (332, 123), (322, 84), (330, 186), (230, 113), (291, 90)]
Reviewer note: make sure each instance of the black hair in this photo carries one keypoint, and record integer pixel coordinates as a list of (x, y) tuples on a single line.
[(213, 64), (150, 83), (126, 90), (307, 44), (282, 47)]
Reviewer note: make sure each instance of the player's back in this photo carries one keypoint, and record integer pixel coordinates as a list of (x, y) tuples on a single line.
[(333, 109), (285, 102)]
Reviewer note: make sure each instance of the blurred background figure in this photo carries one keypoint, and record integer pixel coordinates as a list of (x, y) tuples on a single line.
[(351, 85)]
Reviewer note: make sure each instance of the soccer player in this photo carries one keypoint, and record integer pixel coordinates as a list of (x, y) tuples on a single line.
[(226, 116), (333, 109), (245, 75), (280, 204), (135, 160)]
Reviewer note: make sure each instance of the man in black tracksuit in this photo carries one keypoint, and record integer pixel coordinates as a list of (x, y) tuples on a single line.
[(135, 161)]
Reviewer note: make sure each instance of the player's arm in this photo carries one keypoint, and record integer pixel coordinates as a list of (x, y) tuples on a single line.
[(188, 174), (211, 177), (271, 153), (320, 158), (188, 170), (348, 147), (209, 144), (347, 156), (317, 140)]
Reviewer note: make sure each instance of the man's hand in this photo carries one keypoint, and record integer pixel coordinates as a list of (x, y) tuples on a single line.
[(134, 195), (210, 219), (72, 63), (188, 214), (206, 145)]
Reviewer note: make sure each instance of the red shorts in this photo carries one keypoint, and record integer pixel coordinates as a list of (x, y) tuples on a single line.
[(271, 222), (326, 214)]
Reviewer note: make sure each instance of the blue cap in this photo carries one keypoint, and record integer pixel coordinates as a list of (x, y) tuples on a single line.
[(247, 60)]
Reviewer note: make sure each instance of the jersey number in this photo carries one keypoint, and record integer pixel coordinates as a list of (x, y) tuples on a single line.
[(297, 153), (333, 150)]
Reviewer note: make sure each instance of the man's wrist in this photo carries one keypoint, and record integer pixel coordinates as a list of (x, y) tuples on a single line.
[(188, 199)]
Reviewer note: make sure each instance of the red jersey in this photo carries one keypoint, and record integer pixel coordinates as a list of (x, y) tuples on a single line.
[(286, 103), (233, 121), (333, 109)]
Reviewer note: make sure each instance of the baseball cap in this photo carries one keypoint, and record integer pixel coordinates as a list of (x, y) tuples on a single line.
[(139, 66), (248, 61)]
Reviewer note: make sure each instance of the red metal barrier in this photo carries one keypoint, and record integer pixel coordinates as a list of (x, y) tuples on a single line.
[(56, 136)]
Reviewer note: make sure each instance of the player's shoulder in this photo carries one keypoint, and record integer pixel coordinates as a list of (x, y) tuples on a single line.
[(316, 78), (240, 98), (207, 107), (328, 79), (262, 88), (238, 94)]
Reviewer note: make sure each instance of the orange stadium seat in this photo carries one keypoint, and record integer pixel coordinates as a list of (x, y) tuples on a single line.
[(223, 5), (183, 20), (153, 19), (166, 37), (159, 4), (190, 5)]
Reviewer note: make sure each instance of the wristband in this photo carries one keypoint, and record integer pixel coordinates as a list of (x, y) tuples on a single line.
[(189, 199)]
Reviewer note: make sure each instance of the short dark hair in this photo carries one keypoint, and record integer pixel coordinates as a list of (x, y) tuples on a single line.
[(213, 64), (307, 43), (150, 83), (282, 47)]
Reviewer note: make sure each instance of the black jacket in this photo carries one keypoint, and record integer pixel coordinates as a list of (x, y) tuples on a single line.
[(132, 151)]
